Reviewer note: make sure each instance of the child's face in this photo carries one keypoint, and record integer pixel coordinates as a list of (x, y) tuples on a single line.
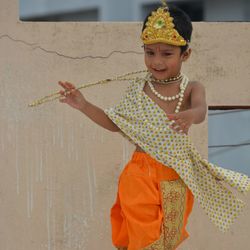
[(163, 60)]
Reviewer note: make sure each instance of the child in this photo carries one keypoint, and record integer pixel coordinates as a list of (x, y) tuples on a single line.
[(157, 186)]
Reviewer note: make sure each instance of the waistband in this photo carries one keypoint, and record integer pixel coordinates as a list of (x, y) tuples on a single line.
[(138, 156), (143, 159)]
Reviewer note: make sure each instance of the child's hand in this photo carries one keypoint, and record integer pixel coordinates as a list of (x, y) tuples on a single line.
[(73, 97), (182, 121)]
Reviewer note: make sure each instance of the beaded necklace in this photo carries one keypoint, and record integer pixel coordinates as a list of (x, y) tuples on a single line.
[(142, 82), (168, 98), (170, 80)]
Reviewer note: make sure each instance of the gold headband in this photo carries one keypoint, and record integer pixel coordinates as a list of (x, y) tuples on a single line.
[(160, 28)]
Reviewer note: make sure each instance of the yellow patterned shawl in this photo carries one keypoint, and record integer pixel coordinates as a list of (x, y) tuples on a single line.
[(138, 119)]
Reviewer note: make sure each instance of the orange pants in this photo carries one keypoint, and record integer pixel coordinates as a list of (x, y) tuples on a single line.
[(151, 208)]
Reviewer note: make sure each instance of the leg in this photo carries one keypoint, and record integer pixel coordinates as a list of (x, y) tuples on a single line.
[(177, 203), (152, 207), (141, 205)]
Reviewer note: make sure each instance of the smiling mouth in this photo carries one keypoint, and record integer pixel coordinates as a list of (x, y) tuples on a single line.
[(159, 70)]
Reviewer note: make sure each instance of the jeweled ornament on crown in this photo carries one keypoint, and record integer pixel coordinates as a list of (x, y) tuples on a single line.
[(160, 23)]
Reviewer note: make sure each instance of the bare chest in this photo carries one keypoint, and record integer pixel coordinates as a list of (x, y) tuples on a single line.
[(170, 90)]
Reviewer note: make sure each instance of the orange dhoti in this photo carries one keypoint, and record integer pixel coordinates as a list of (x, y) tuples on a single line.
[(151, 208)]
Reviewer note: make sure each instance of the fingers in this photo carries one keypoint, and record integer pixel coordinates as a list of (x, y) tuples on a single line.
[(177, 123), (63, 96), (69, 87), (62, 84), (66, 84), (62, 100), (179, 126), (172, 117), (63, 93), (176, 128)]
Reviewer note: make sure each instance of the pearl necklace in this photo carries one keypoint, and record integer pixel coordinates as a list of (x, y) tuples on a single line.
[(170, 122), (169, 98)]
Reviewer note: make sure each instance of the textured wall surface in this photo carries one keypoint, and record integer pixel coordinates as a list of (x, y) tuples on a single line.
[(59, 170)]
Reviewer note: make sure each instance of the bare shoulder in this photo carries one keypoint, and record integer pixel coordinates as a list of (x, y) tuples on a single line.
[(197, 92), (196, 87), (193, 85)]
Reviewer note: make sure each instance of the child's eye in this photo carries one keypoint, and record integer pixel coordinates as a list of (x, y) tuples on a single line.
[(150, 53), (167, 54)]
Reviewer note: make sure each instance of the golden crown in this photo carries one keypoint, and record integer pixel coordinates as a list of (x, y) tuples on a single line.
[(160, 28)]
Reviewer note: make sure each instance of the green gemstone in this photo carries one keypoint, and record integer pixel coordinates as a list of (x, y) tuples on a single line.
[(159, 24)]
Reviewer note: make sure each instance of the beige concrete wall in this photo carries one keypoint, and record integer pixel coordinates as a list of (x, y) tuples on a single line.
[(59, 171)]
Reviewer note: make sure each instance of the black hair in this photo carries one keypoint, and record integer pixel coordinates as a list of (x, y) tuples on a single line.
[(181, 21)]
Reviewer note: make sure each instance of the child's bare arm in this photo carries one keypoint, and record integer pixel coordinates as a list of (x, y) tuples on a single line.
[(196, 114), (198, 103), (97, 115), (75, 99)]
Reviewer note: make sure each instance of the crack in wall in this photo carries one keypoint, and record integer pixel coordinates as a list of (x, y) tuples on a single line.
[(67, 56), (17, 40)]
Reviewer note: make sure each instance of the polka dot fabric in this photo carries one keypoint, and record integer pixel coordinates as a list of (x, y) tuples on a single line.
[(143, 122)]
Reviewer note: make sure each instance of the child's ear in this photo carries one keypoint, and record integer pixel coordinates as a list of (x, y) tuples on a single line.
[(186, 54)]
